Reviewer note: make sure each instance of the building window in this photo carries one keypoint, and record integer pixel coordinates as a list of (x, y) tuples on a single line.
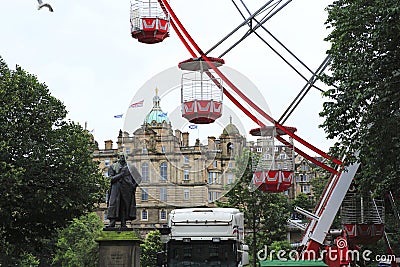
[(285, 166), (304, 167), (229, 147), (128, 150), (163, 215), (144, 215), (186, 175), (163, 194), (144, 149), (212, 196), (162, 149), (186, 159), (186, 194), (163, 171), (230, 165), (145, 172), (259, 149), (106, 162), (145, 194), (214, 178), (305, 189), (215, 164), (230, 178)]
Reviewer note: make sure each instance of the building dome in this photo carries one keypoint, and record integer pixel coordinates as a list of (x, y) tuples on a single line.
[(156, 114), (231, 130)]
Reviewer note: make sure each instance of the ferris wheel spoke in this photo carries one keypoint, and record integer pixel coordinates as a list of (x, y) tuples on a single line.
[(304, 91), (239, 26), (238, 9), (268, 16), (261, 24)]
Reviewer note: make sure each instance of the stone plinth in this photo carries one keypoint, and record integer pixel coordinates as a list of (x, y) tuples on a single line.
[(119, 248)]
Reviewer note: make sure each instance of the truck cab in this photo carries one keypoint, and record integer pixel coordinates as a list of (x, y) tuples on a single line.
[(206, 237)]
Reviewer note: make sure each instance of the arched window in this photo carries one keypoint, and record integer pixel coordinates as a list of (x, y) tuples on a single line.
[(145, 172), (163, 171), (229, 147)]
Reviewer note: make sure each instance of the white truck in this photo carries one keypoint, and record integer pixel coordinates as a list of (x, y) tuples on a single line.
[(206, 237)]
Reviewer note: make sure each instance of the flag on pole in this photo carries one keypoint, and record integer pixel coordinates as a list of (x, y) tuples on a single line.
[(163, 114), (192, 126), (138, 104), (118, 116)]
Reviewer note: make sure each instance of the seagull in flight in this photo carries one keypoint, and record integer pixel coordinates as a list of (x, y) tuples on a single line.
[(41, 4)]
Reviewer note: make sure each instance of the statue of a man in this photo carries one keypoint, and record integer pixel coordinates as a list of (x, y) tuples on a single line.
[(122, 203)]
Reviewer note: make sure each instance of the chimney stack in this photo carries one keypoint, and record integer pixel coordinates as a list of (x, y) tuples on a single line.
[(185, 139), (108, 144), (211, 143)]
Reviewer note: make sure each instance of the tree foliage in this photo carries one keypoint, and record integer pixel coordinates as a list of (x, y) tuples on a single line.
[(47, 173), (76, 245), (151, 245), (303, 201), (363, 112), (265, 214)]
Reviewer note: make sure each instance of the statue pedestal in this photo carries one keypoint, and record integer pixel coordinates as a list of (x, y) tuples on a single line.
[(119, 248)]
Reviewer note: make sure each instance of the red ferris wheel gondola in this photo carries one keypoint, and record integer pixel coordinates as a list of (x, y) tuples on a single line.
[(274, 170), (201, 92), (149, 21), (362, 218)]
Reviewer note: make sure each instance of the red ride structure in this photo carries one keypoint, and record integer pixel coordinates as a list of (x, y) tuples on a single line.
[(271, 178)]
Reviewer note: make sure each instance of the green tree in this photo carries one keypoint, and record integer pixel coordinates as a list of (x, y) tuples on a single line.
[(76, 245), (47, 173), (303, 201), (265, 214), (280, 246), (363, 111), (151, 245)]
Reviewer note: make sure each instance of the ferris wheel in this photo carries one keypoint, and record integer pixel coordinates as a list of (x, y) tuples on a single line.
[(204, 86)]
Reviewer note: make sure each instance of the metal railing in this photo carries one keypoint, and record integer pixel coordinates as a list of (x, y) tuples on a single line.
[(358, 209), (197, 86), (146, 9)]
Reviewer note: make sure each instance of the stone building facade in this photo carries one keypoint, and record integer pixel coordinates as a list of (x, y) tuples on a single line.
[(175, 173)]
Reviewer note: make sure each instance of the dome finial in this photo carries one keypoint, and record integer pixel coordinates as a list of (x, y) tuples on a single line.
[(156, 99)]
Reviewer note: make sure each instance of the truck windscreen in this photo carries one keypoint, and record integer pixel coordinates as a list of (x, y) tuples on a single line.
[(202, 254)]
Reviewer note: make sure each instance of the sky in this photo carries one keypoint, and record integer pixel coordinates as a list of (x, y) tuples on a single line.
[(84, 53)]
